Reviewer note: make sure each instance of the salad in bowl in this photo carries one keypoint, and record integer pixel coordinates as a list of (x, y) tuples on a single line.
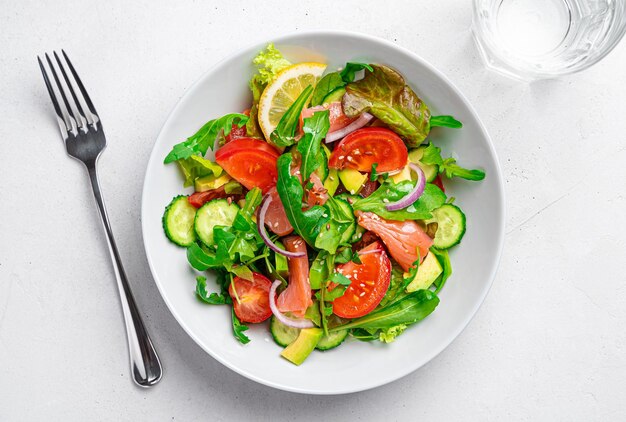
[(324, 210)]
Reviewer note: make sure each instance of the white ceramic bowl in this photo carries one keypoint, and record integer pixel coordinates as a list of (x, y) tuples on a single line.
[(354, 366)]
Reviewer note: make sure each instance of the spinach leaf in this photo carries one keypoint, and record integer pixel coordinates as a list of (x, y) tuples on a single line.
[(310, 145), (395, 290), (210, 298), (408, 310), (306, 223), (203, 139), (196, 166), (363, 335), (448, 166), (431, 199), (445, 121), (239, 328), (325, 86), (348, 73), (384, 93), (318, 273), (285, 133), (341, 219), (444, 259)]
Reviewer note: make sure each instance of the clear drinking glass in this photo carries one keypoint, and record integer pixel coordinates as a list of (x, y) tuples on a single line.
[(537, 39)]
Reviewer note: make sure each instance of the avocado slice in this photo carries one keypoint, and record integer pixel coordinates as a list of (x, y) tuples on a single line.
[(334, 96), (332, 181), (352, 179), (405, 174), (282, 267), (300, 349), (430, 170), (427, 273), (209, 182)]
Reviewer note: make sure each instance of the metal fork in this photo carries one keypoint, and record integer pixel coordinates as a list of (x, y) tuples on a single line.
[(82, 132)]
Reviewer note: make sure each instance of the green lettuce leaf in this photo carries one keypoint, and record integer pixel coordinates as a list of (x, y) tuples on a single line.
[(389, 334), (306, 223), (384, 93), (204, 138), (310, 145), (196, 166), (339, 222), (431, 199)]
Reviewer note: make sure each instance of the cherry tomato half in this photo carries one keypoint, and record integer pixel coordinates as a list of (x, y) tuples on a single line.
[(366, 146), (254, 298), (369, 282), (250, 161)]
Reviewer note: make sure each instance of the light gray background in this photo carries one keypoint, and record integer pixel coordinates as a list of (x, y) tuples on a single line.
[(548, 344)]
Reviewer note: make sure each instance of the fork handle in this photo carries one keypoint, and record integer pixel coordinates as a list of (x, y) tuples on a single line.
[(144, 361)]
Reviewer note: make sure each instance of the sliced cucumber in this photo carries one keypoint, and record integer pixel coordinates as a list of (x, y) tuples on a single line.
[(282, 334), (178, 221), (332, 340), (450, 226), (334, 96), (214, 213)]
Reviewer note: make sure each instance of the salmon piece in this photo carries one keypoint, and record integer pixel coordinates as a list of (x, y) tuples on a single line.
[(296, 298), (403, 239), (338, 120), (317, 195), (275, 219)]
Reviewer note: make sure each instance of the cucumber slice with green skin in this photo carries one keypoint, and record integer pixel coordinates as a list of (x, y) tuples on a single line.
[(284, 335), (334, 96), (450, 226), (178, 221), (214, 213), (332, 340)]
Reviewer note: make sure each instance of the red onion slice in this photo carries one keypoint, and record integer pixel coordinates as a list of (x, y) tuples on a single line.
[(412, 196), (370, 251), (357, 124), (291, 322), (263, 232)]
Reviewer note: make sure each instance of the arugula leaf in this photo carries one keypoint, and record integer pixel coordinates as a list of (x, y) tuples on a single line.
[(243, 272), (210, 298), (340, 279), (346, 255), (285, 133), (384, 93), (202, 259), (203, 139), (349, 72), (340, 221), (444, 259), (335, 293), (310, 145), (431, 199), (374, 174), (389, 334), (408, 310), (196, 166), (306, 223), (318, 273), (445, 121), (395, 290), (363, 335), (239, 328), (325, 86), (448, 166)]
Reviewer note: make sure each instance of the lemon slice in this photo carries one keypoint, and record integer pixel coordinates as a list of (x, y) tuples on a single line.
[(284, 90)]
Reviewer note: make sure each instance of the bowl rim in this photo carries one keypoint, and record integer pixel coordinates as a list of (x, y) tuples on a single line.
[(501, 205)]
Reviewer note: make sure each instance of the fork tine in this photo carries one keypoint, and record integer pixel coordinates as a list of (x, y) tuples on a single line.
[(68, 108), (81, 86), (62, 118), (71, 88)]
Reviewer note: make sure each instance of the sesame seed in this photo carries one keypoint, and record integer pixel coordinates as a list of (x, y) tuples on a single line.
[(341, 157), (361, 285), (368, 153), (385, 200), (362, 294)]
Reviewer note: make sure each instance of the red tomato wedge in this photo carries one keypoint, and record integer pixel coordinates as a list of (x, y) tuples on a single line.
[(296, 298), (364, 147), (275, 218), (403, 238), (439, 183), (254, 298), (250, 161), (198, 199), (370, 281), (338, 120)]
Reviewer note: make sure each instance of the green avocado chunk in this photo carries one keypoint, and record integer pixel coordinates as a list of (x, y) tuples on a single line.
[(300, 349)]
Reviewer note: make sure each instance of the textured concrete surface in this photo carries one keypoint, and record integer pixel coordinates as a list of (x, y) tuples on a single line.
[(548, 344)]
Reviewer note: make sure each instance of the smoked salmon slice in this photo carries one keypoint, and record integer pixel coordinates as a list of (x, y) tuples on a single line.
[(296, 298)]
